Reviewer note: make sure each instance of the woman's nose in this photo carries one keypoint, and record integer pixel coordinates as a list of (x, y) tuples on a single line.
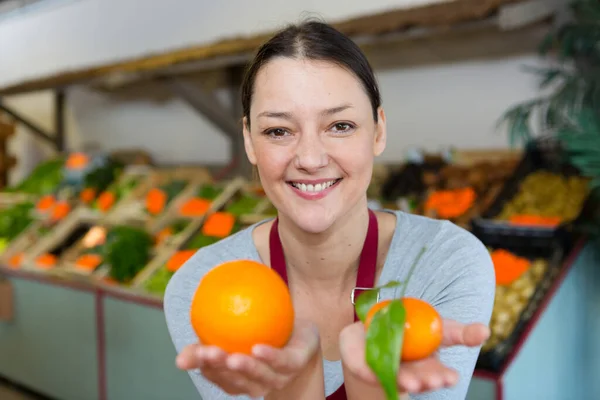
[(311, 154)]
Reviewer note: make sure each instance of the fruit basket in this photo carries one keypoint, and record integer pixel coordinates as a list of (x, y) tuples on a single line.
[(524, 275), (544, 195)]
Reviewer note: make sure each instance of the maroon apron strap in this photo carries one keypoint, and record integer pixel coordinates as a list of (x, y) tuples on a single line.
[(367, 268)]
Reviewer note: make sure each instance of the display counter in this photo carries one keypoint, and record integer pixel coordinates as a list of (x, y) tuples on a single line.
[(71, 340)]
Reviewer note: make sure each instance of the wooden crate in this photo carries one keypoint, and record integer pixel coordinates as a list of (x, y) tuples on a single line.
[(119, 211), (158, 264), (195, 176), (228, 190), (72, 225)]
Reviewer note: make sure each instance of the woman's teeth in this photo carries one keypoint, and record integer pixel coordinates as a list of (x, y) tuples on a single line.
[(313, 188)]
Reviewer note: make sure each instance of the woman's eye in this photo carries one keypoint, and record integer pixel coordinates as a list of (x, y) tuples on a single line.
[(342, 127), (277, 132)]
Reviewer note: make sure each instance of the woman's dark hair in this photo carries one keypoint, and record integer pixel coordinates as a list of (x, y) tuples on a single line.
[(313, 40)]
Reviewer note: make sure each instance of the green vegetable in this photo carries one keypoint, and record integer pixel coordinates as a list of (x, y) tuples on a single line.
[(179, 226), (15, 219), (158, 282), (200, 241), (101, 177), (127, 252), (385, 333), (209, 192), (44, 179), (244, 205)]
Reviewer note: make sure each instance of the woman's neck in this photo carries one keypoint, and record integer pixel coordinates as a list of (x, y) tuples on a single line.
[(330, 258)]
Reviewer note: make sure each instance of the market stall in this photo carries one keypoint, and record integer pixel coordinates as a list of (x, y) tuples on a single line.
[(110, 298)]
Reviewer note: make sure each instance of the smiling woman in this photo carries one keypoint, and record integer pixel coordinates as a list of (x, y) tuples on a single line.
[(313, 125)]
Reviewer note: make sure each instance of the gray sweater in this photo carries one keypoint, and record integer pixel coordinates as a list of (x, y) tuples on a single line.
[(455, 275)]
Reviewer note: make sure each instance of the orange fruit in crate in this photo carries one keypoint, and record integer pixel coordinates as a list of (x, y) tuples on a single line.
[(45, 203), (16, 260), (46, 261), (106, 200), (178, 259), (87, 195), (77, 161), (422, 328), (60, 210), (156, 200), (239, 304), (88, 262), (194, 208)]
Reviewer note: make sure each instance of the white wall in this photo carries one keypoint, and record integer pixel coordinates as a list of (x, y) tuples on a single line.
[(430, 107), (70, 34)]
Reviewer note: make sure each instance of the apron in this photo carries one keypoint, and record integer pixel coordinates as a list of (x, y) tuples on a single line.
[(365, 279)]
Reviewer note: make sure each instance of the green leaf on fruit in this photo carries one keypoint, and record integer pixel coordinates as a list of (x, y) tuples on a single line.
[(364, 302), (384, 346)]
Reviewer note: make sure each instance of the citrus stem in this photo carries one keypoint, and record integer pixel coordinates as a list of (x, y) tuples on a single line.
[(412, 269)]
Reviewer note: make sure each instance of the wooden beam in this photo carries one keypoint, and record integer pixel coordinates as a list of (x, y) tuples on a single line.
[(206, 104), (36, 130)]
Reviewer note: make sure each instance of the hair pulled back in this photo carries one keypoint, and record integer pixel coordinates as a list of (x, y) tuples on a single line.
[(312, 40)]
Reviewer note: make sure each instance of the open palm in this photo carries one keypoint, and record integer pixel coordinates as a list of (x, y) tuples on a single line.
[(416, 376)]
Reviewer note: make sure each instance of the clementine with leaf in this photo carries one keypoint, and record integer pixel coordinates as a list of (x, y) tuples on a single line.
[(422, 327), (240, 304)]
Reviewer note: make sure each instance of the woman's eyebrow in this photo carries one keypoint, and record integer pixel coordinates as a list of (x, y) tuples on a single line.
[(335, 110), (288, 115)]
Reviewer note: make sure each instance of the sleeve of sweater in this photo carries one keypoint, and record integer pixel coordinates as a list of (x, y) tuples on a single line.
[(461, 287)]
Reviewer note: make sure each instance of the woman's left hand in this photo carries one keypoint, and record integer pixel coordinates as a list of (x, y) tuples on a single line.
[(417, 376)]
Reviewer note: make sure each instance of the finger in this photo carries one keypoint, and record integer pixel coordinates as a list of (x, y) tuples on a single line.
[(458, 334), (426, 375), (212, 357), (232, 383), (256, 371), (352, 349), (301, 347)]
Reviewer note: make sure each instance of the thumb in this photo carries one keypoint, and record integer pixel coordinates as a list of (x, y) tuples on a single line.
[(458, 334)]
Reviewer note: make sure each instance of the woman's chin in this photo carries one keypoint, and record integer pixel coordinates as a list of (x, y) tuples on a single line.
[(313, 222)]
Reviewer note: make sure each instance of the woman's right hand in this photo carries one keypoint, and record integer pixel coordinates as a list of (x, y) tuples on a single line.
[(269, 370)]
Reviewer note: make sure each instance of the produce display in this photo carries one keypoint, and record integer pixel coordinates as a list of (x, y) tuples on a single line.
[(108, 198), (517, 279), (437, 189), (201, 202), (216, 227), (546, 198), (13, 221), (126, 252), (182, 215)]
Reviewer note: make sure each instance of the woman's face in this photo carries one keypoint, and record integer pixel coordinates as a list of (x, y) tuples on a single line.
[(312, 138)]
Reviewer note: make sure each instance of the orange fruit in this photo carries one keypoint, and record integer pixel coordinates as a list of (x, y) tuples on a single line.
[(239, 304), (106, 200), (46, 203), (77, 161), (178, 259), (422, 328), (156, 200), (87, 195), (60, 211)]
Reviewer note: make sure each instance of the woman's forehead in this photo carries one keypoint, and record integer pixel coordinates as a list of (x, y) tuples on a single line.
[(287, 82)]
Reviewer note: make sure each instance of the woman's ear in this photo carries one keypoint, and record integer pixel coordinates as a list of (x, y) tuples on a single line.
[(380, 139), (248, 142)]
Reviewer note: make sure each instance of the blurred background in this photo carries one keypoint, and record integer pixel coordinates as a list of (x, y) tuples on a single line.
[(119, 130)]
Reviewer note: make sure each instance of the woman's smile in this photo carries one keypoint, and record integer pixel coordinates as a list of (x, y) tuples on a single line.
[(313, 189)]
